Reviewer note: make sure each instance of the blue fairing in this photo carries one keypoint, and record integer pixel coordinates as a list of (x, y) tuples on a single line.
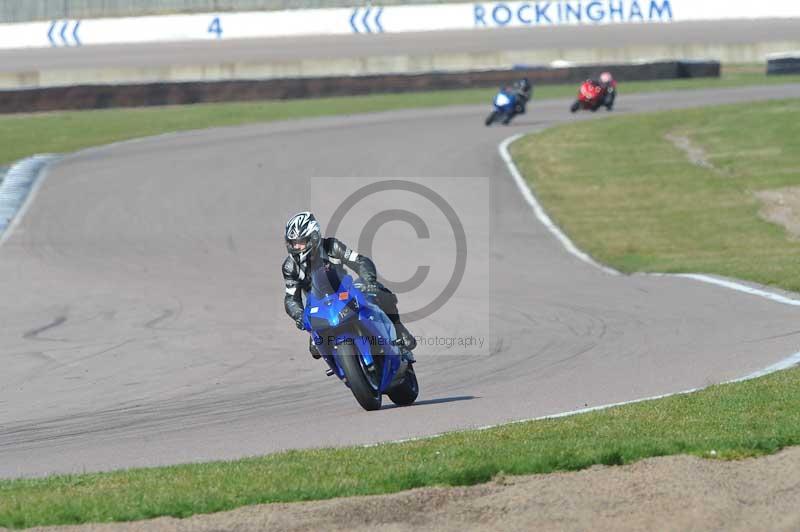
[(347, 315), (504, 101)]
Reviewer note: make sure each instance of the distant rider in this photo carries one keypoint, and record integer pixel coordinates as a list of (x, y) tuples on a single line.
[(522, 89), (308, 251), (608, 82)]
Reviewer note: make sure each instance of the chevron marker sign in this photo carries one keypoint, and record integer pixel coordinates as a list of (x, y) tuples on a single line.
[(366, 20), (64, 33)]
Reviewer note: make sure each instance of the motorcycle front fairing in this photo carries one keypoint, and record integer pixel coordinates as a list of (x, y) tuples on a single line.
[(504, 101), (591, 94), (347, 315)]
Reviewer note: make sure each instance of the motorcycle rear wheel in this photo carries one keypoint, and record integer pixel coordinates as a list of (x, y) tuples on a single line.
[(365, 393), (407, 391)]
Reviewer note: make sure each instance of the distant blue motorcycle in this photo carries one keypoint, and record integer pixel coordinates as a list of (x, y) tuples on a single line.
[(504, 107), (358, 340)]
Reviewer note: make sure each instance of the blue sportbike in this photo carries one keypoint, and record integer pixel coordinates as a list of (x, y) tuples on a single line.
[(358, 340), (504, 107)]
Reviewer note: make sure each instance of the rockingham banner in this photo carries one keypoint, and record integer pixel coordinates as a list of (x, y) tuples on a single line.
[(374, 19)]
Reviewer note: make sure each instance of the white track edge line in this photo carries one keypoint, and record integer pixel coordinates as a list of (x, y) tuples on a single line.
[(539, 211), (739, 287)]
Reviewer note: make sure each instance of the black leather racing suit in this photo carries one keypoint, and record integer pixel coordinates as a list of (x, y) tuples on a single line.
[(522, 99), (296, 276)]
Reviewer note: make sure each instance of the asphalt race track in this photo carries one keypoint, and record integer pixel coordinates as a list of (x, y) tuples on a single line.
[(143, 322), (732, 32)]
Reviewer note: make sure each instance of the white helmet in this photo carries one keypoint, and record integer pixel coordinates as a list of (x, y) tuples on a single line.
[(303, 235), (606, 77)]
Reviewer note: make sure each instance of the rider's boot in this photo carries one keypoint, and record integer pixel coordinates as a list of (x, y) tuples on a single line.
[(388, 303), (406, 342), (409, 342)]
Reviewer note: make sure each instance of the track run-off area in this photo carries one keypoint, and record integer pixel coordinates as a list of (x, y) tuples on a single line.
[(142, 302)]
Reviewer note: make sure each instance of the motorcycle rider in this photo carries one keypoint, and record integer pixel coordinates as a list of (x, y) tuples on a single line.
[(308, 251), (522, 89), (608, 82)]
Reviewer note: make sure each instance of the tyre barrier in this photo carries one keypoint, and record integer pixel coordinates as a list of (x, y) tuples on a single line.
[(178, 93), (783, 63)]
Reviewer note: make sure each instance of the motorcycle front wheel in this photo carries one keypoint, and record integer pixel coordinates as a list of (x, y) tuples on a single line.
[(490, 118), (575, 106), (364, 389)]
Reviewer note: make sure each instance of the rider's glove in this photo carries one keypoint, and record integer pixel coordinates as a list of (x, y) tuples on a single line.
[(371, 289), (300, 324)]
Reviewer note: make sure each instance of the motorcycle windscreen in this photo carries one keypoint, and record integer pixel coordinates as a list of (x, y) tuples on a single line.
[(326, 280), (502, 99)]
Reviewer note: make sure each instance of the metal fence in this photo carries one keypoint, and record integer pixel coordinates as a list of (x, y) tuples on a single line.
[(29, 10)]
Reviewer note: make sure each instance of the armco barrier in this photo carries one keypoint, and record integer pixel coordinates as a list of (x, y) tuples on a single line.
[(107, 96)]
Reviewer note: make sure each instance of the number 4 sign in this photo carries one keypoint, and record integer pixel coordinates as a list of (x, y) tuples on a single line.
[(215, 27)]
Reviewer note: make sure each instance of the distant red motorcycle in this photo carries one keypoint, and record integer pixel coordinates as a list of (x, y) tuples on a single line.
[(593, 95)]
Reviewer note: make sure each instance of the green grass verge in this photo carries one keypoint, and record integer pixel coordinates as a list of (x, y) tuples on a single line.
[(630, 198), (734, 420), (25, 135)]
